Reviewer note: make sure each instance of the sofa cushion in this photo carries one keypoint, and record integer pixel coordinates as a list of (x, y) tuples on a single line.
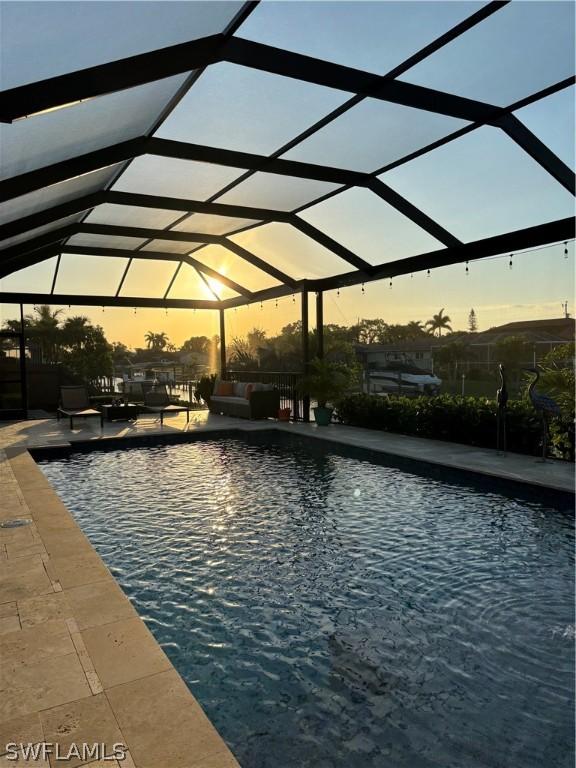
[(229, 399), (239, 389)]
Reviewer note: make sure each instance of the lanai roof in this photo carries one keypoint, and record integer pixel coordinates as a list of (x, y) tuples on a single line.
[(140, 140)]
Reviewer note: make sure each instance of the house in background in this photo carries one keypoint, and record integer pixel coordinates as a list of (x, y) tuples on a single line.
[(540, 335)]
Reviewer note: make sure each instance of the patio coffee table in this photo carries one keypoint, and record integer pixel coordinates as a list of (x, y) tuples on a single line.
[(124, 412)]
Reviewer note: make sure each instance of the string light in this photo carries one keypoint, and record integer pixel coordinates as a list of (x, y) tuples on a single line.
[(337, 291), (566, 250), (261, 305), (390, 284), (134, 310), (363, 289), (276, 303), (467, 270), (293, 299), (511, 263), (411, 275), (428, 273)]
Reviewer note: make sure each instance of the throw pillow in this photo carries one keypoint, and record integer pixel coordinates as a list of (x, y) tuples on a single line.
[(225, 389)]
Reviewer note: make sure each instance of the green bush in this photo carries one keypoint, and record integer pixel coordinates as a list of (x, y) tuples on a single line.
[(457, 419)]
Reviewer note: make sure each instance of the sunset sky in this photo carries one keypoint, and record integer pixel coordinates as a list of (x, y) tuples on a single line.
[(480, 185)]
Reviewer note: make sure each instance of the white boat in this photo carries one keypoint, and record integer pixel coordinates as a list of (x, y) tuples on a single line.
[(402, 379)]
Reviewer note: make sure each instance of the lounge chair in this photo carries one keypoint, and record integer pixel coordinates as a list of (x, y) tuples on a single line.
[(158, 401), (74, 402)]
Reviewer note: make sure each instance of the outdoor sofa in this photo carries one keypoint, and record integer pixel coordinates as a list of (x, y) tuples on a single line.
[(74, 402), (249, 400)]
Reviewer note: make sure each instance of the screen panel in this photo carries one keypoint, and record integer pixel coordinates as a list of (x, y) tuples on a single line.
[(47, 138), (132, 216), (489, 186), (85, 240), (44, 198), (32, 233), (89, 275), (267, 190), (148, 279), (169, 177), (519, 50), (291, 251), (240, 108), (209, 224), (373, 36), (232, 266), (169, 246), (36, 279), (369, 227), (41, 40), (189, 285), (373, 134)]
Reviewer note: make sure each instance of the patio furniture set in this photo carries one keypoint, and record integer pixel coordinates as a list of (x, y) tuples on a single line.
[(75, 403)]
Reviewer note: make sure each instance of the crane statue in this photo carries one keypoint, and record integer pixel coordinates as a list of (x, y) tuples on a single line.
[(502, 402), (544, 406)]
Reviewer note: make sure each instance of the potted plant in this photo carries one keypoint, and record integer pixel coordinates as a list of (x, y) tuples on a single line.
[(205, 389), (326, 383)]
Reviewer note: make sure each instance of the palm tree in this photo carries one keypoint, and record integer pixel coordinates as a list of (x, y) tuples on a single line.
[(150, 338), (438, 322), (161, 341), (415, 329)]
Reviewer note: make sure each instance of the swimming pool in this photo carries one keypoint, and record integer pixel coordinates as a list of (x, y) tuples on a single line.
[(332, 611)]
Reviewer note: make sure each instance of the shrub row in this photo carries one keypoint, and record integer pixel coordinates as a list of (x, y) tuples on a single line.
[(458, 419)]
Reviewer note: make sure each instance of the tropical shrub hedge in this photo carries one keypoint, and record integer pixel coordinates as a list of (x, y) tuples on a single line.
[(468, 420)]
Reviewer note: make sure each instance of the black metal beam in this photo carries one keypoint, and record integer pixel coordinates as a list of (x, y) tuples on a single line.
[(27, 100), (143, 233), (250, 161), (195, 206), (256, 261), (522, 239), (266, 294), (305, 353), (538, 151), (69, 169), (105, 301), (320, 324), (49, 238), (158, 256), (88, 83), (248, 53), (412, 212), (192, 237), (49, 215), (332, 245), (222, 344)]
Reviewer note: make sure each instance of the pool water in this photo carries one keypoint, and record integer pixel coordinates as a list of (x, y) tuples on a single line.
[(336, 612)]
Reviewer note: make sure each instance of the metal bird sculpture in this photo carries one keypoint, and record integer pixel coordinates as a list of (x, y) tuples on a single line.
[(544, 406), (502, 402)]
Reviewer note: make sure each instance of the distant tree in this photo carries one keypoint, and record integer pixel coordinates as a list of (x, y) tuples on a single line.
[(472, 321), (439, 323), (156, 341), (415, 329), (150, 338), (371, 331), (198, 344)]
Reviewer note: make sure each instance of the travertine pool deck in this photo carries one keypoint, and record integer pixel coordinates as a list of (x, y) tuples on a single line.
[(77, 664)]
